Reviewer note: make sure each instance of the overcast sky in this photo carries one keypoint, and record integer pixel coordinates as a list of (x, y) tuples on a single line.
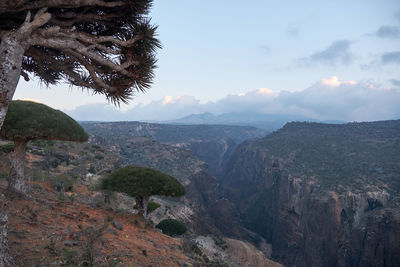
[(322, 59)]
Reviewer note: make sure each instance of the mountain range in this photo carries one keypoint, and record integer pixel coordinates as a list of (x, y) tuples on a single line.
[(268, 122)]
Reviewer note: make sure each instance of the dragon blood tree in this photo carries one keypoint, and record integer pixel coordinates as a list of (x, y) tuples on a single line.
[(141, 183), (26, 121), (105, 46)]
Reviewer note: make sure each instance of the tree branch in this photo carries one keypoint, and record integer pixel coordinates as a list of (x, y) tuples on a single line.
[(91, 70), (96, 41), (25, 75), (64, 44), (39, 56), (86, 17), (17, 6), (87, 38), (41, 18)]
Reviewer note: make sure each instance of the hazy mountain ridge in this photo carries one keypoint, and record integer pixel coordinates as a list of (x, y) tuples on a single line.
[(268, 122), (166, 133), (315, 191)]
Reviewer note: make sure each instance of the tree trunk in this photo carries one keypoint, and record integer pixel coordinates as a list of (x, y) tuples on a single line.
[(11, 55), (141, 203), (5, 259), (16, 183)]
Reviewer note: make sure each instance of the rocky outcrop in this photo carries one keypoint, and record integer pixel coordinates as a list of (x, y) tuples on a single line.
[(232, 252), (322, 195)]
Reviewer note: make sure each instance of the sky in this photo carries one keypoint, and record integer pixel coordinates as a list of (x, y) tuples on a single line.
[(330, 60)]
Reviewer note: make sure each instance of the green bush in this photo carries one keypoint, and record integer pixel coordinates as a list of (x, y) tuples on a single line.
[(7, 148), (92, 169), (37, 175), (99, 157), (43, 143), (172, 227), (3, 174), (62, 181), (152, 206), (70, 257)]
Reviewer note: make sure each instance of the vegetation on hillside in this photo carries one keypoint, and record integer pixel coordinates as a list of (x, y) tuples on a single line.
[(172, 227), (338, 154), (141, 183)]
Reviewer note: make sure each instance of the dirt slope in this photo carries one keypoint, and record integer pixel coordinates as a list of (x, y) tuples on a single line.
[(66, 231)]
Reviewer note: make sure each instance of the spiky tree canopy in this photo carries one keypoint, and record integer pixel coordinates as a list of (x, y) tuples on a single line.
[(104, 45), (142, 182), (28, 120)]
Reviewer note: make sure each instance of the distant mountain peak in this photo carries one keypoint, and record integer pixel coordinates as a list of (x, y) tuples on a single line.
[(263, 121)]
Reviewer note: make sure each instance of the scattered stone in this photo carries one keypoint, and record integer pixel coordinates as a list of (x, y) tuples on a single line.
[(68, 216), (97, 200), (70, 243), (117, 225), (37, 188), (19, 235), (112, 231)]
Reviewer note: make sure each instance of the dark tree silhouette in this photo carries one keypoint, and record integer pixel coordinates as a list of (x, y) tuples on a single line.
[(141, 183), (26, 121), (107, 46)]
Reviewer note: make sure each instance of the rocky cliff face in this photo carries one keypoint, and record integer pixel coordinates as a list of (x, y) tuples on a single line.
[(322, 195), (193, 154), (212, 144)]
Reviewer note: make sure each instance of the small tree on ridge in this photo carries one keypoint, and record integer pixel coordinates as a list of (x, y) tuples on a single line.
[(141, 183)]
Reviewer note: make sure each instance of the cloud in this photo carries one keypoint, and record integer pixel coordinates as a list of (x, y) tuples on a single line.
[(391, 57), (349, 101), (390, 32), (395, 82), (327, 99), (96, 112), (266, 49), (334, 82), (293, 30), (380, 61), (337, 53), (397, 16)]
